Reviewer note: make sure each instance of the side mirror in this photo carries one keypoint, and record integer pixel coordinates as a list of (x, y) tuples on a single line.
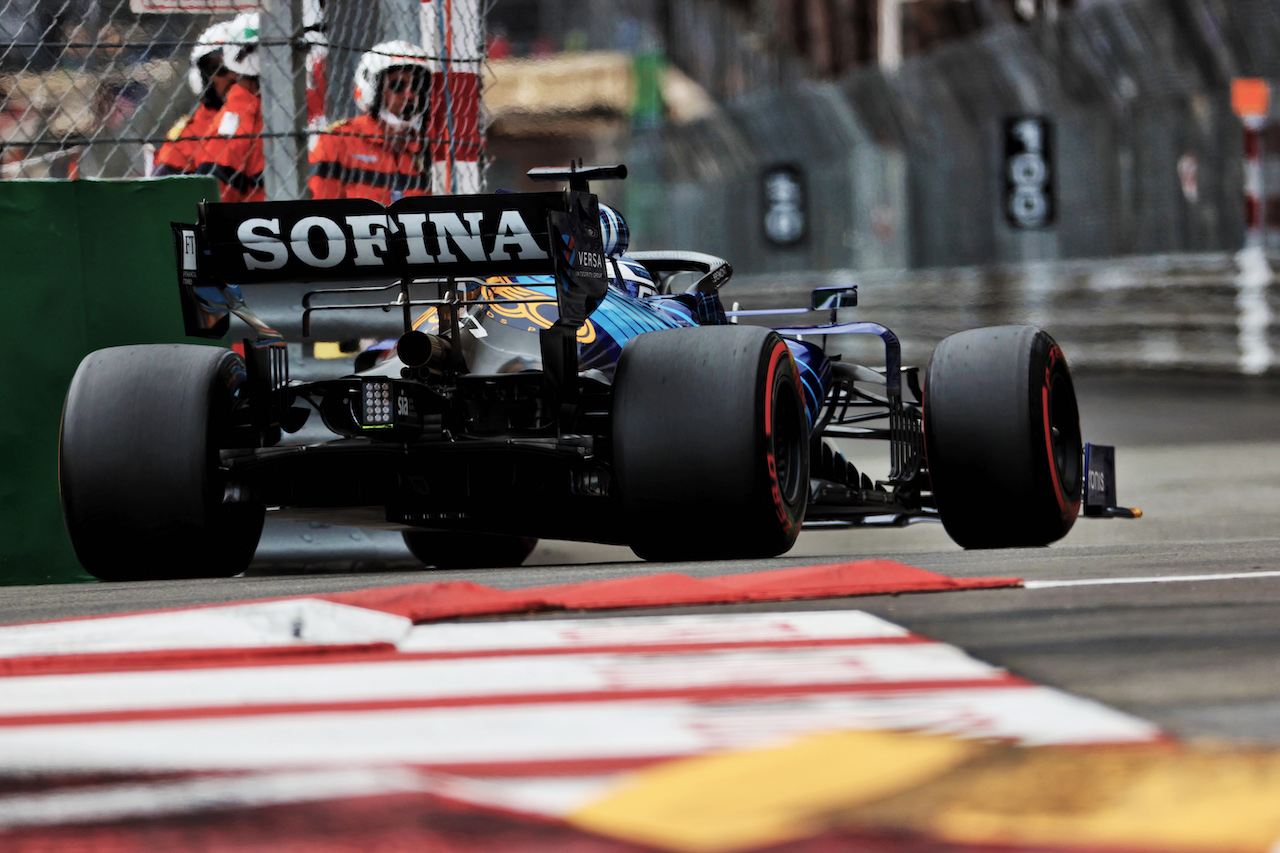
[(832, 298)]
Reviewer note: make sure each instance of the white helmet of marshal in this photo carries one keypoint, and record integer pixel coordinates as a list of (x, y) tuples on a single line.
[(241, 54), (377, 61), (313, 16), (212, 40)]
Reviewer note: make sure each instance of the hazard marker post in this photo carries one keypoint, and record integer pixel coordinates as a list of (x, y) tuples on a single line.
[(1251, 101)]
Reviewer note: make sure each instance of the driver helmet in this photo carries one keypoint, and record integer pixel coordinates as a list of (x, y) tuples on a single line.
[(628, 275), (380, 59), (241, 54), (206, 59), (632, 278), (625, 274), (614, 232)]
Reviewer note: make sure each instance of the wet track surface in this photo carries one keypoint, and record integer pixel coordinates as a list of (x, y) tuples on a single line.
[(1201, 457)]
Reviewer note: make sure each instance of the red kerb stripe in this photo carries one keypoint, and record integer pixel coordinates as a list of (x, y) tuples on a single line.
[(80, 664), (692, 694), (167, 659)]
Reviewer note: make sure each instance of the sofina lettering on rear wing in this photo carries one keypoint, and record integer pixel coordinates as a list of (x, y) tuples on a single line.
[(477, 235), (357, 239)]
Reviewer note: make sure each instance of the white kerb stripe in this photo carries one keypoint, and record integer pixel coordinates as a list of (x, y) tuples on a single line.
[(480, 679), (554, 731), (291, 622)]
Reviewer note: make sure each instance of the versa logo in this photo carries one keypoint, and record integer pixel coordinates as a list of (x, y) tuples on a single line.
[(420, 238), (589, 264)]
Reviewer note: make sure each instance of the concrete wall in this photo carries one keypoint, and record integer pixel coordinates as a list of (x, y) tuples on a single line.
[(907, 169)]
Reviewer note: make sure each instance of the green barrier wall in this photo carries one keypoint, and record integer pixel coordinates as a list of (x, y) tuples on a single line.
[(83, 265)]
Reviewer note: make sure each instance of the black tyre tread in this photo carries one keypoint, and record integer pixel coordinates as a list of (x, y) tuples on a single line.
[(992, 474), (446, 550), (137, 459), (690, 454)]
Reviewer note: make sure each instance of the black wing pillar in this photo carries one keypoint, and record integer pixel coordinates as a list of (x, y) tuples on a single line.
[(205, 312), (577, 251)]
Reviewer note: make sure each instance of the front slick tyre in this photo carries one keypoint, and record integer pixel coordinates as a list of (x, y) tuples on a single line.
[(711, 444), (142, 492), (1002, 438)]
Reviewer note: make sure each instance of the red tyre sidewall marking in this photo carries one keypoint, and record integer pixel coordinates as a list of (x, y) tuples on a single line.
[(775, 490), (1068, 510)]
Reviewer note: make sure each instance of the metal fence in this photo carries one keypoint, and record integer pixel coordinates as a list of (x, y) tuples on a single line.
[(90, 88), (911, 168)]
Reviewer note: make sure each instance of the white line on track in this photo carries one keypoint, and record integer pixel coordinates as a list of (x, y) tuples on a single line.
[(1233, 576)]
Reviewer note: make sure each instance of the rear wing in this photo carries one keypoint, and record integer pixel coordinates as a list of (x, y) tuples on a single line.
[(430, 237)]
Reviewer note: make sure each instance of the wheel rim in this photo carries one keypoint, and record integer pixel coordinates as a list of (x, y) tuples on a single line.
[(788, 446), (1064, 432)]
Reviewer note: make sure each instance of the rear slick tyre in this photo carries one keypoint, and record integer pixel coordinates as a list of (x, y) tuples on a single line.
[(1002, 438), (711, 444), (138, 470)]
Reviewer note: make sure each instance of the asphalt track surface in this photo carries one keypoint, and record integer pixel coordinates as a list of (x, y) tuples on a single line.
[(1174, 617)]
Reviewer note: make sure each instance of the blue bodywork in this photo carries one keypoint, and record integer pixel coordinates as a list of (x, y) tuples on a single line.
[(619, 317)]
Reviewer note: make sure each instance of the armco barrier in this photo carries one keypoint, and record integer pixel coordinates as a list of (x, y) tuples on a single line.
[(1205, 312), (84, 265)]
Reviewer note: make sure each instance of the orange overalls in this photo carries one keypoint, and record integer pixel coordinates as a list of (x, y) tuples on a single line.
[(234, 153), (356, 159), (180, 154)]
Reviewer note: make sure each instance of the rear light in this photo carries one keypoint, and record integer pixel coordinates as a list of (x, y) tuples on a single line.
[(376, 403)]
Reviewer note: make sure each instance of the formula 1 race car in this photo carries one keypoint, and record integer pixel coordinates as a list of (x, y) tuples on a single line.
[(546, 385)]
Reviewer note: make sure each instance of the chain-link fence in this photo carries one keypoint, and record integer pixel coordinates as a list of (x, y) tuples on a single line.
[(95, 88)]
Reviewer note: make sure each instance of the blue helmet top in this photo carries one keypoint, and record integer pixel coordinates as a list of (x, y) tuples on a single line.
[(614, 232)]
